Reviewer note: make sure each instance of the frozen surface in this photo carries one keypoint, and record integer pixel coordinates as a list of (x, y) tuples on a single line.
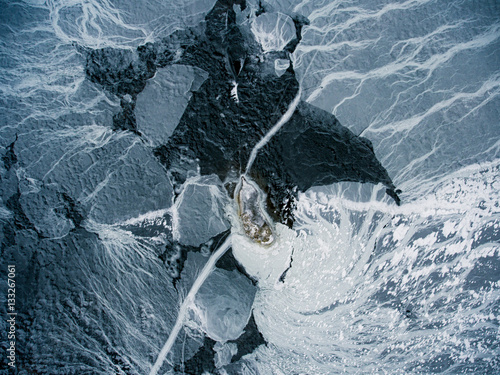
[(280, 66), (111, 176), (161, 104), (224, 353), (358, 285), (387, 278), (222, 315), (199, 211)]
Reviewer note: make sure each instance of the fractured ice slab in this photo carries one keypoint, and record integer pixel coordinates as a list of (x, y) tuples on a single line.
[(222, 307), (224, 304), (49, 210), (110, 177), (137, 185), (224, 353), (161, 104), (200, 211), (280, 66)]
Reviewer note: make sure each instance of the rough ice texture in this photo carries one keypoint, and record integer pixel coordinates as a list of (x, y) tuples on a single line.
[(161, 104), (227, 311), (420, 79), (280, 66), (206, 359), (224, 353), (314, 149), (223, 314), (201, 211), (79, 298), (109, 178), (137, 186), (48, 211)]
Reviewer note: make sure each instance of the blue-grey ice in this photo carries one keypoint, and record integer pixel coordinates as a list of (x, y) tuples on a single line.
[(357, 285)]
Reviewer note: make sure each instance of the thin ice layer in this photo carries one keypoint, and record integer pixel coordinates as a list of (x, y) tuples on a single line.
[(222, 306)]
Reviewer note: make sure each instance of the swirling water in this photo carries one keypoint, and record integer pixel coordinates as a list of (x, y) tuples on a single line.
[(373, 288)]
